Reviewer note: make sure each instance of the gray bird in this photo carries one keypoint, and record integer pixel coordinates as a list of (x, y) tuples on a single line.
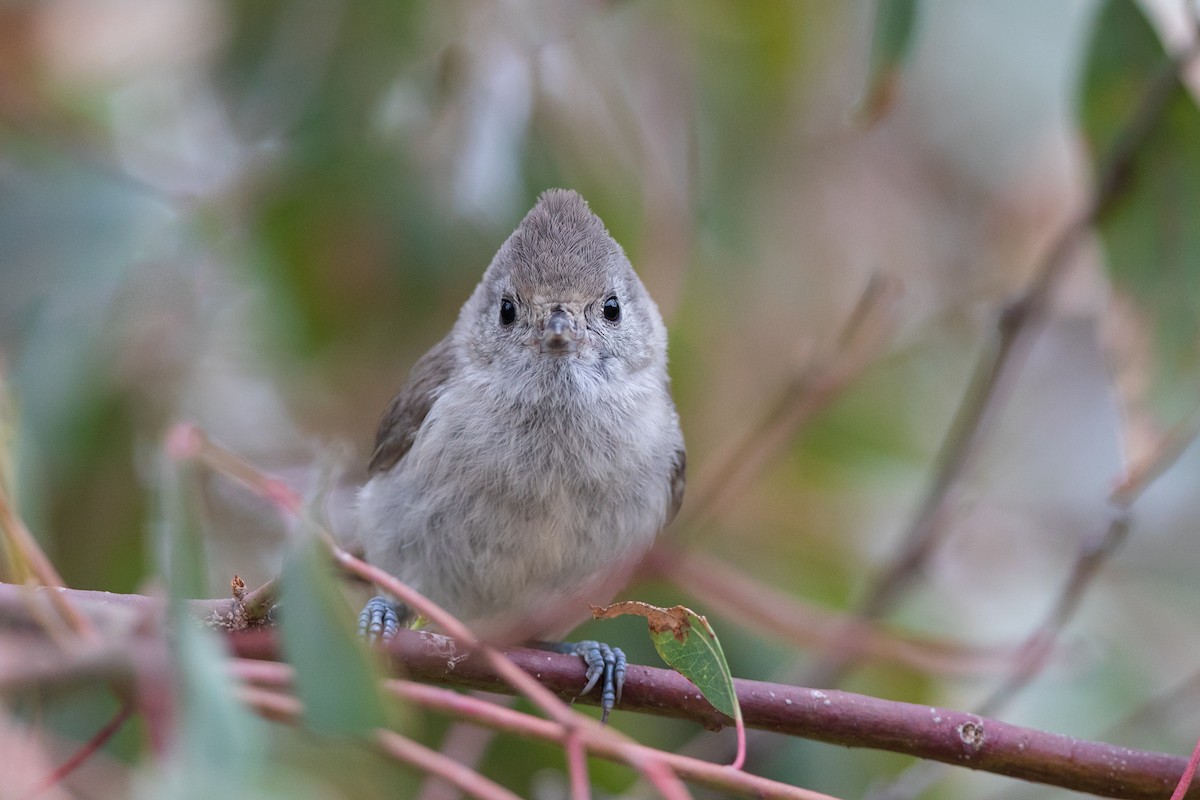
[(534, 453)]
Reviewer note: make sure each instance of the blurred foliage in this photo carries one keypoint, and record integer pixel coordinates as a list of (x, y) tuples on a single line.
[(335, 678), (258, 215), (1150, 235)]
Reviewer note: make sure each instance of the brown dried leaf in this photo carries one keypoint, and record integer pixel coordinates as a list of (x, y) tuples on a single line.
[(675, 620)]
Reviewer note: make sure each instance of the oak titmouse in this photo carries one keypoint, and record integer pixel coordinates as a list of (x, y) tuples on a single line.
[(535, 452)]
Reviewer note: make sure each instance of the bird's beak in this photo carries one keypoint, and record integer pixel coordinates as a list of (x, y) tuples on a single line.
[(558, 334)]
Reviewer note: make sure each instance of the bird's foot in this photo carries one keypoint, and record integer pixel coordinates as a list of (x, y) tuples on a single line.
[(380, 619), (605, 667)]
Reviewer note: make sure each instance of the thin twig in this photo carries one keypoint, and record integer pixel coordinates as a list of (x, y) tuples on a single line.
[(27, 548), (272, 703), (86, 751), (1185, 782), (864, 335), (971, 741), (281, 707), (187, 441), (431, 761), (1035, 652), (1141, 474), (577, 760), (514, 675), (1095, 553), (521, 680), (1002, 357), (257, 604), (507, 720), (714, 776), (843, 718), (748, 601), (836, 717), (466, 744)]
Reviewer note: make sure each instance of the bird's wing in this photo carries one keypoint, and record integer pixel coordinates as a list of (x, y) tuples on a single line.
[(677, 482), (399, 424)]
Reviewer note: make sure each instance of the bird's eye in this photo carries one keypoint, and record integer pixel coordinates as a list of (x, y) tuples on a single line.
[(508, 311), (612, 309)]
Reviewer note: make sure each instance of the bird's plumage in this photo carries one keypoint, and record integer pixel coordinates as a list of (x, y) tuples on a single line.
[(515, 486)]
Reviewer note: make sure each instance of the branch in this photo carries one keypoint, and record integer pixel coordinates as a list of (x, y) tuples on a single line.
[(1038, 645), (1001, 359), (843, 718), (274, 676), (783, 617), (421, 757), (31, 556), (865, 335), (87, 750), (187, 442), (835, 717)]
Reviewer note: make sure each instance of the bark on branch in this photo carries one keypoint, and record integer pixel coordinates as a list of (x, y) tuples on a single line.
[(827, 715)]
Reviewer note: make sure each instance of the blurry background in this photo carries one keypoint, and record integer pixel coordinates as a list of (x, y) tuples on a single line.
[(257, 215)]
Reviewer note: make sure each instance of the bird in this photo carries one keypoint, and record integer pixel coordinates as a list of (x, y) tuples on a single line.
[(534, 453)]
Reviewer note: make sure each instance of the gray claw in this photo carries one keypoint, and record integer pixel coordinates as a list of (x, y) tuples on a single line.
[(607, 663), (379, 620), (619, 671)]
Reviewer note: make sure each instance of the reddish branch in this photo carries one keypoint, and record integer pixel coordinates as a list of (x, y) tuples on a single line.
[(782, 617), (843, 718), (831, 716), (265, 681), (1185, 783), (87, 750)]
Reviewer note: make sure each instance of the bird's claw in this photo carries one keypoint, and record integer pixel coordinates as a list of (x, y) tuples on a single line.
[(606, 667), (379, 620)]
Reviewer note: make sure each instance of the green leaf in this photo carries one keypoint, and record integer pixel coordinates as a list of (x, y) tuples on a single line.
[(335, 677), (218, 748), (1150, 230), (689, 645), (217, 730), (1123, 56), (894, 23)]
